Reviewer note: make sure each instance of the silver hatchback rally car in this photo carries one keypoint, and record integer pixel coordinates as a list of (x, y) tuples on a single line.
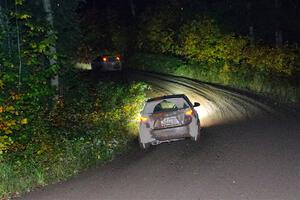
[(168, 118)]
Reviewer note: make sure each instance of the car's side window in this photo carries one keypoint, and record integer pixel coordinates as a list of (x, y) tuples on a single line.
[(185, 105)]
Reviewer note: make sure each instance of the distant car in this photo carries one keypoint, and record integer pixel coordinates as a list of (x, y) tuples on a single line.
[(168, 118), (107, 63)]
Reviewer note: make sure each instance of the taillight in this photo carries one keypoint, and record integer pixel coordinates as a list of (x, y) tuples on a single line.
[(118, 58), (189, 112), (145, 120), (104, 59), (188, 116)]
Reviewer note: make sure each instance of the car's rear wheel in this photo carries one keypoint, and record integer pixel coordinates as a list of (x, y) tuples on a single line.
[(196, 138), (144, 146)]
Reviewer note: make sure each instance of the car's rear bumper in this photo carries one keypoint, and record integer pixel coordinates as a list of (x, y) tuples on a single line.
[(171, 133), (108, 66), (152, 136), (111, 67)]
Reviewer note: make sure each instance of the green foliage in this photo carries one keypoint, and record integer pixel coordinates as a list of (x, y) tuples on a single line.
[(157, 31), (199, 41), (24, 76), (202, 41), (283, 61), (40, 135), (244, 77), (89, 125), (200, 49)]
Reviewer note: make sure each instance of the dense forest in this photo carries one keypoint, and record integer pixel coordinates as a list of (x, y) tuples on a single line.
[(54, 121), (273, 22), (251, 45)]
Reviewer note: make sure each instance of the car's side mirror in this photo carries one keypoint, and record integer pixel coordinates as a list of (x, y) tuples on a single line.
[(196, 104)]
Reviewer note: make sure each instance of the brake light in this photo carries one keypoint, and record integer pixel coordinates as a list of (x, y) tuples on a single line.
[(188, 116), (144, 119), (118, 58), (104, 59)]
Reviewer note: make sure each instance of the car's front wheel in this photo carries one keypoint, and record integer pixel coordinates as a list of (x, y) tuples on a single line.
[(197, 137)]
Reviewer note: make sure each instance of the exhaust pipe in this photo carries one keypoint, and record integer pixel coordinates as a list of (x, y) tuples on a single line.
[(157, 142)]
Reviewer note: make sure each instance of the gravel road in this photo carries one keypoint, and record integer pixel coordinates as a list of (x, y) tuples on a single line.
[(249, 149)]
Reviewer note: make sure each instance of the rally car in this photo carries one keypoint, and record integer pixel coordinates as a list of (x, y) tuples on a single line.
[(107, 63), (168, 118)]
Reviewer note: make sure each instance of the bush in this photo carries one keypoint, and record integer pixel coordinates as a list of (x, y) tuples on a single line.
[(282, 61), (242, 77), (89, 125), (201, 40), (157, 29), (45, 138), (201, 50), (24, 78)]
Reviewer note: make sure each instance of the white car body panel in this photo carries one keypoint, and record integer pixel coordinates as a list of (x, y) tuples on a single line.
[(149, 134)]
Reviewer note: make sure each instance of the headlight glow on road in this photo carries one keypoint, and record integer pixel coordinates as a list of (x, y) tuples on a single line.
[(202, 113)]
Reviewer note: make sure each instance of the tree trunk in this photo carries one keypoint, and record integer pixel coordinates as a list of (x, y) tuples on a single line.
[(251, 35), (278, 39), (1, 20), (132, 7), (49, 17), (278, 31), (4, 25), (250, 23), (1, 27)]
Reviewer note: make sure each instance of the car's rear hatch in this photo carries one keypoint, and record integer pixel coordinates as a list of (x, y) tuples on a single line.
[(164, 120)]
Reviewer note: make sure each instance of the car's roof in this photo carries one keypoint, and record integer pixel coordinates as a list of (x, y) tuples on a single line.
[(167, 97)]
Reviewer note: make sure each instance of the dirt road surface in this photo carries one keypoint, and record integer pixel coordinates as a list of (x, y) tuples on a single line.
[(249, 149)]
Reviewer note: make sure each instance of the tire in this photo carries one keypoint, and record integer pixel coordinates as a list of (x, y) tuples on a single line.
[(195, 139), (144, 146)]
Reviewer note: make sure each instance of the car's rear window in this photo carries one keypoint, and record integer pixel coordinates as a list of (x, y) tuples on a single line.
[(111, 58), (164, 105)]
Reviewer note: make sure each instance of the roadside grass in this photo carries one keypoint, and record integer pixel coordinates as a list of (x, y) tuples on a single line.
[(243, 77), (90, 125)]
